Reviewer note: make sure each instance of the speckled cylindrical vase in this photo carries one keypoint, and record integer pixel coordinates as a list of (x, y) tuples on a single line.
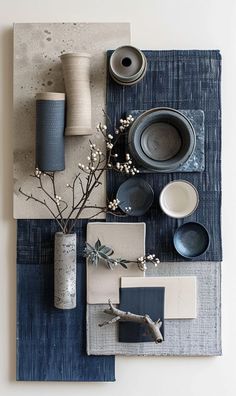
[(76, 72), (65, 271), (50, 127)]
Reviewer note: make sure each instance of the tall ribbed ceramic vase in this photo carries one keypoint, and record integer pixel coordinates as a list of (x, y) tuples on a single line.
[(65, 271), (76, 72), (50, 127)]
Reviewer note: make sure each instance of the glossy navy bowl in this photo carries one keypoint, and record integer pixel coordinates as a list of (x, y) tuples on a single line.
[(135, 196), (191, 240), (161, 139)]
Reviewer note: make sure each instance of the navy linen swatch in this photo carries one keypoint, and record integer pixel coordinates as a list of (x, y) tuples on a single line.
[(184, 80), (141, 301), (51, 343)]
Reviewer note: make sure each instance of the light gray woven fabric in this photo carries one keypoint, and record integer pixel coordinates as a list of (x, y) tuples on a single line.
[(185, 337)]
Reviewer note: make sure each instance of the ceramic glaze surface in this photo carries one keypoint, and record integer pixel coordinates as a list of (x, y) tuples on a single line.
[(127, 65), (135, 196), (179, 199), (196, 161), (191, 240), (161, 139)]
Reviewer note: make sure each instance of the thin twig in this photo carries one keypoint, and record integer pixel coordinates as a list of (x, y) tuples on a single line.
[(42, 203)]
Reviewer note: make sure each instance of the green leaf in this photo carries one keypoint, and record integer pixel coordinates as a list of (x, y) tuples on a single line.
[(123, 264), (97, 244), (103, 255), (110, 264), (106, 250), (89, 246), (102, 247)]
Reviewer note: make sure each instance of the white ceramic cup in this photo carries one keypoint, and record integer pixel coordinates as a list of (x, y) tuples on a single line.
[(179, 199)]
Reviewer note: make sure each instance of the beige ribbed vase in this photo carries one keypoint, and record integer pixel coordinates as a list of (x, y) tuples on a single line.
[(76, 71)]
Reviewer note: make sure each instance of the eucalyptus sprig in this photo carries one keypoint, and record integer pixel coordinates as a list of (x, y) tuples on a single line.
[(103, 252), (100, 252)]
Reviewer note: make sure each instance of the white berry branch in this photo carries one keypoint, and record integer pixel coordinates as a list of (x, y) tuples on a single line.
[(98, 162)]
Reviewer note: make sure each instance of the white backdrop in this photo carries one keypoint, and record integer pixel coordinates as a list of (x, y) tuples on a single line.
[(155, 24)]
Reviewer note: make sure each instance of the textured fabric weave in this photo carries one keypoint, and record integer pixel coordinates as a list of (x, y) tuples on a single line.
[(182, 80), (51, 343), (183, 337)]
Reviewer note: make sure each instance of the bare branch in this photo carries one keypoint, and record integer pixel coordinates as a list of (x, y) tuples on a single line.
[(44, 203), (119, 315), (99, 163)]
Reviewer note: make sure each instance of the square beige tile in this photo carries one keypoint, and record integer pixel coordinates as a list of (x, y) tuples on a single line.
[(180, 293), (128, 241)]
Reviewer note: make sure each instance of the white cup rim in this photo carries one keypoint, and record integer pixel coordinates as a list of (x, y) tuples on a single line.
[(175, 214)]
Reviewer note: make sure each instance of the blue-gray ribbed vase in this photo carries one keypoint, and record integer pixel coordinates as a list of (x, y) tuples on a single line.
[(50, 126)]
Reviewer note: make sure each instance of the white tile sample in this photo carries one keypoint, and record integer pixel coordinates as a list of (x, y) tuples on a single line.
[(180, 293), (128, 242), (37, 68)]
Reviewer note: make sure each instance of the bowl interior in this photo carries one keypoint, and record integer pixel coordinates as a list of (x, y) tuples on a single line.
[(179, 199), (191, 240), (127, 62), (161, 139), (135, 196)]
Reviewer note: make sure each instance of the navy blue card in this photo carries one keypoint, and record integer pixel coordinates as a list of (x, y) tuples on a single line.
[(141, 301)]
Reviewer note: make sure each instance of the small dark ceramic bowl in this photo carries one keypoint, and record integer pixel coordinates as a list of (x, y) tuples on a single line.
[(191, 240), (161, 139), (135, 196)]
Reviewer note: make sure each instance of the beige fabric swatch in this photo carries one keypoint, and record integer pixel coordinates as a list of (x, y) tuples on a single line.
[(128, 241), (180, 293)]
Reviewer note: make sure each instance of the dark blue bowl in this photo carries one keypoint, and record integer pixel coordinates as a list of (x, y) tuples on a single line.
[(161, 139), (191, 240), (137, 194)]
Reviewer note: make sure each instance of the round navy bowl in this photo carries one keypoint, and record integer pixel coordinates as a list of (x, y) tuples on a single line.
[(135, 196), (161, 139), (191, 240)]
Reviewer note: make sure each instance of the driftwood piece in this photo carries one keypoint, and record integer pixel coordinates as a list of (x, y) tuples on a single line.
[(153, 327)]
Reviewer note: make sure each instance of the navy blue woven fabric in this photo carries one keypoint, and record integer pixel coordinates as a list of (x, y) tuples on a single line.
[(51, 343), (182, 80)]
